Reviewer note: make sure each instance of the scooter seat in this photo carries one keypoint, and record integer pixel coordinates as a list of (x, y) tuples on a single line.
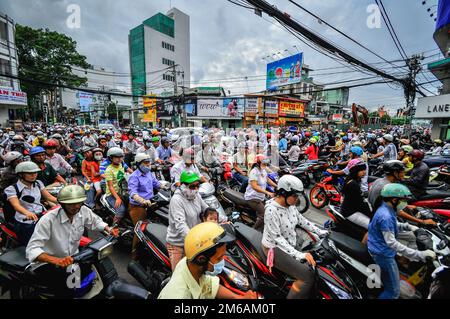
[(157, 233), (352, 247), (236, 197), (435, 195), (15, 259), (253, 237)]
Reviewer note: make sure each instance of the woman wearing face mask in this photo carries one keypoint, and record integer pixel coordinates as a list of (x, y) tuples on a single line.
[(185, 207), (141, 186), (383, 233), (256, 191)]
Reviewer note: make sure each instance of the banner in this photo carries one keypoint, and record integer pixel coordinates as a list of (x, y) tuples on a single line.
[(252, 106), (271, 108), (168, 109), (337, 117), (443, 14), (149, 103), (291, 109), (86, 100), (285, 71), (233, 107), (225, 108), (8, 96)]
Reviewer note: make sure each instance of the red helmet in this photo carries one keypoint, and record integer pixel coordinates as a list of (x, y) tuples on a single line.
[(307, 134), (50, 143), (269, 136), (417, 154)]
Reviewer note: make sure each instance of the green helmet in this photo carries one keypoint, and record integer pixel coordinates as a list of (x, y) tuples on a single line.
[(189, 177), (316, 138), (407, 148), (72, 194), (394, 190), (155, 139)]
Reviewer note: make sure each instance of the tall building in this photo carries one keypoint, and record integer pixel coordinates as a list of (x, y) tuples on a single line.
[(12, 100), (437, 108), (157, 45)]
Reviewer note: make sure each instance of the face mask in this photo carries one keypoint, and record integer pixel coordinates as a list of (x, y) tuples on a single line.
[(190, 194), (401, 205), (98, 157), (144, 169), (217, 268)]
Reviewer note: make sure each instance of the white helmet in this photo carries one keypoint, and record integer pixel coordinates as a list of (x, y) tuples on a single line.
[(388, 137), (141, 157), (115, 151), (27, 167), (11, 157), (18, 138), (290, 183)]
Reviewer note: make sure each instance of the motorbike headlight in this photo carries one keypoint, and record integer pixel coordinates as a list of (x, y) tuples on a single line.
[(213, 204), (338, 291), (240, 280), (105, 251)]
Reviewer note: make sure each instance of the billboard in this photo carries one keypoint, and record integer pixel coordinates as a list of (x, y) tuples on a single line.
[(443, 16), (287, 108), (433, 107), (86, 100), (149, 103), (168, 109), (8, 96), (226, 108), (285, 71), (271, 108)]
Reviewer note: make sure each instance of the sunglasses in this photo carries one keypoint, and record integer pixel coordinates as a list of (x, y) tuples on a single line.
[(194, 186)]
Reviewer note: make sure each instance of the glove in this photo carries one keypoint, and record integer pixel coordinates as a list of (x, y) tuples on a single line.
[(428, 254), (413, 228)]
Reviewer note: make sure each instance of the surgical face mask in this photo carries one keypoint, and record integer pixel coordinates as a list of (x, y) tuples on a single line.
[(144, 169), (218, 268), (190, 194), (98, 157), (401, 205)]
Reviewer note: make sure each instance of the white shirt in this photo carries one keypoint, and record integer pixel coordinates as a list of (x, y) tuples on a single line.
[(151, 151), (178, 168), (260, 176), (57, 236), (33, 191), (58, 162)]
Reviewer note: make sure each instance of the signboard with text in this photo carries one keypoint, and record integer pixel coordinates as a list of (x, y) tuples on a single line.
[(433, 107), (9, 96), (294, 109), (285, 71)]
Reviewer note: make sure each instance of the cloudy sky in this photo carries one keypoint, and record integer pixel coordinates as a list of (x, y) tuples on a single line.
[(228, 41)]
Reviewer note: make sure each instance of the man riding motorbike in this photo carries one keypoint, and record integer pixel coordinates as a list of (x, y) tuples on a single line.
[(47, 175), (56, 160), (283, 241), (188, 164), (390, 151), (8, 174), (419, 176)]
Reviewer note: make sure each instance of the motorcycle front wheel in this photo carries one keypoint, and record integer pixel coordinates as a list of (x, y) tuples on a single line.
[(317, 197)]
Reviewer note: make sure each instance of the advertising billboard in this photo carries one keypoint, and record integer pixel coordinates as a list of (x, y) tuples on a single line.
[(285, 71), (233, 107), (293, 109), (271, 108), (168, 109), (86, 100), (8, 96), (443, 15), (226, 108)]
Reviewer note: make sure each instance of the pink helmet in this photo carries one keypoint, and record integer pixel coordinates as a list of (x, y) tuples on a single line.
[(353, 162)]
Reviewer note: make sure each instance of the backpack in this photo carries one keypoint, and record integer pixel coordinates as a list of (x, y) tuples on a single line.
[(8, 210)]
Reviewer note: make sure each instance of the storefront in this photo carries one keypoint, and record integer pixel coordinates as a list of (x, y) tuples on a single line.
[(291, 112), (436, 109), (12, 107)]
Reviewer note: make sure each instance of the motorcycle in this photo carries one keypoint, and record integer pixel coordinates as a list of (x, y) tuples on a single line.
[(93, 272), (153, 268), (325, 193), (434, 199)]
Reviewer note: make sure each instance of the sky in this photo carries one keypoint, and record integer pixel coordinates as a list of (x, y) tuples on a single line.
[(228, 41)]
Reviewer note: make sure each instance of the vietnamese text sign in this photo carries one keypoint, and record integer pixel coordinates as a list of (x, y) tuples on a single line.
[(85, 100), (271, 108), (8, 96), (285, 71), (287, 108)]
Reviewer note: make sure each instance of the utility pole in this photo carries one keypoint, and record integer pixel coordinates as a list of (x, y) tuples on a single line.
[(410, 86), (175, 93)]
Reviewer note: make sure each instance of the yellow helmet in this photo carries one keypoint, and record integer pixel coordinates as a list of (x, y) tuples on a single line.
[(203, 237)]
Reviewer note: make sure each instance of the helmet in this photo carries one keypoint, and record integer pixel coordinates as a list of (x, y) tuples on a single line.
[(417, 154), (269, 136), (294, 139), (316, 137), (50, 143), (57, 136), (358, 144), (155, 139), (36, 150), (39, 133), (394, 190), (115, 151), (307, 134), (438, 141), (110, 133), (141, 157), (313, 140), (18, 138), (101, 137), (147, 139), (11, 157), (342, 134), (358, 151), (316, 134), (260, 158), (404, 141), (165, 140), (203, 237), (290, 183), (85, 149), (388, 137), (11, 134), (189, 177), (407, 148), (27, 167), (393, 166), (345, 138), (72, 194), (155, 133), (95, 150), (354, 162), (357, 167)]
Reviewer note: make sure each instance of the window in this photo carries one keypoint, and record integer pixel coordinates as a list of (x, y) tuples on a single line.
[(167, 77), (3, 31), (168, 62), (168, 46), (5, 68)]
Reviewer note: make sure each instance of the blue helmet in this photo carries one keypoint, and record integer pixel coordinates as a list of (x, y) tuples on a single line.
[(36, 150), (345, 138), (356, 150), (316, 134)]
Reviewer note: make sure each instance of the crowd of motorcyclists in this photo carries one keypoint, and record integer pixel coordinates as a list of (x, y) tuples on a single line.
[(88, 164)]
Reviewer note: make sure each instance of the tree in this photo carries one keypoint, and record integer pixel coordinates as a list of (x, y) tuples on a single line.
[(47, 56)]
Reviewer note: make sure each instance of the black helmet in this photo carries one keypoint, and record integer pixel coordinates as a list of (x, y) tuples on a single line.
[(393, 166)]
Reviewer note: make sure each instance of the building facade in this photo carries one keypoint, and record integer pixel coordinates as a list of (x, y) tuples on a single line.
[(12, 100)]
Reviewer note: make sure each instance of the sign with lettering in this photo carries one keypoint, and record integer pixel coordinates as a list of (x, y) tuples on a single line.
[(9, 96), (433, 107)]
